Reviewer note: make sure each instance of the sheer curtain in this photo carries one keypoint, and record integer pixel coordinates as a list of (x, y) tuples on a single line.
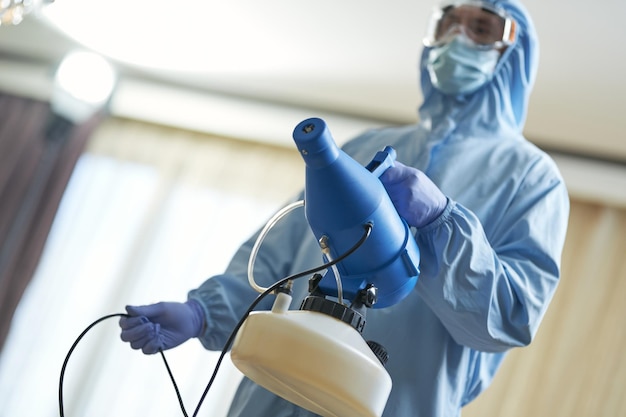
[(149, 213)]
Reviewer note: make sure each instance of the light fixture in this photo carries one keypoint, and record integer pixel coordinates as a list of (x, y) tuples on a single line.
[(12, 12), (83, 84)]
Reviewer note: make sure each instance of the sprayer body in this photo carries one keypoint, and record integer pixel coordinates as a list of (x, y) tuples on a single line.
[(275, 348), (341, 197)]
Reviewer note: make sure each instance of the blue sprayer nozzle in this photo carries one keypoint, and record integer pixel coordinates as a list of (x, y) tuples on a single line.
[(341, 196)]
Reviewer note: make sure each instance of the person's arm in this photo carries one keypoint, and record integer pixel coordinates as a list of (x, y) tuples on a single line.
[(212, 310), (492, 294), (226, 297)]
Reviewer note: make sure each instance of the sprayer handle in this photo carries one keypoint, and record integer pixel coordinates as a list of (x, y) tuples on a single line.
[(382, 161)]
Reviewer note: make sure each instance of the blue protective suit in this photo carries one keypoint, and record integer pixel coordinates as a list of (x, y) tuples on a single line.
[(490, 262)]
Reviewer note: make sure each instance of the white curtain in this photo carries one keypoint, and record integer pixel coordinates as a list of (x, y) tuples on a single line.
[(148, 215)]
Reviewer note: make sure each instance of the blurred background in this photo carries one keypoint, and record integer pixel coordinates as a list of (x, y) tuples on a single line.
[(147, 191)]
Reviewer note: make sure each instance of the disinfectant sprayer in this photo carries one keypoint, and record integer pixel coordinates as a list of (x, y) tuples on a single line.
[(316, 356)]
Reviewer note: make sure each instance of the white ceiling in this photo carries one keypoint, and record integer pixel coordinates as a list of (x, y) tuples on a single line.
[(357, 57)]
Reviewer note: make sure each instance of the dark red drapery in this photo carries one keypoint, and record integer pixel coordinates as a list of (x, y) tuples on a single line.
[(35, 167)]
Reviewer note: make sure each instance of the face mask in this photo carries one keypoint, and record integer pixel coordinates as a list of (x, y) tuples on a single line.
[(458, 68)]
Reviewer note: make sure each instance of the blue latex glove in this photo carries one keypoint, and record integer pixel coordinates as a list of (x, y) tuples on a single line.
[(417, 199), (161, 326)]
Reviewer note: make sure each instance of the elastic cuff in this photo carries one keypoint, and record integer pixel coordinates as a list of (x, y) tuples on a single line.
[(198, 316), (441, 218)]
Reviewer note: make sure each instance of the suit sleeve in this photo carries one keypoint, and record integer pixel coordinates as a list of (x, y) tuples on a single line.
[(492, 293)]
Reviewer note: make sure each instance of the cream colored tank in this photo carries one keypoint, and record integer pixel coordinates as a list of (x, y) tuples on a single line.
[(313, 360)]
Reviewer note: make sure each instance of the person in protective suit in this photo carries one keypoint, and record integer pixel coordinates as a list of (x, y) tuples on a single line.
[(489, 211)]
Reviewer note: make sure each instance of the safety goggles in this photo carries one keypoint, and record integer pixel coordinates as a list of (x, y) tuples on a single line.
[(484, 24)]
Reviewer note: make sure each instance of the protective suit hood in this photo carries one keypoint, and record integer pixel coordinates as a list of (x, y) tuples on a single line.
[(499, 105)]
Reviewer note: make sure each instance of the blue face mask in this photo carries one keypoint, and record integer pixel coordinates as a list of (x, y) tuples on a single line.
[(459, 68)]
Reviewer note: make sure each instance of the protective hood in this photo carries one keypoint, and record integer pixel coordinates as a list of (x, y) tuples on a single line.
[(499, 105)]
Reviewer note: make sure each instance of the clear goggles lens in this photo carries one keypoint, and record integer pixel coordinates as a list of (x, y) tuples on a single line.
[(483, 24)]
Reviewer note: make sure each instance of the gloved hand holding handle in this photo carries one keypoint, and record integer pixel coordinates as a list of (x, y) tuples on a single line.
[(162, 325), (417, 199)]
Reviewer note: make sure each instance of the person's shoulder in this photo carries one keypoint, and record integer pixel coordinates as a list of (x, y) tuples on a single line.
[(535, 161), (538, 154), (385, 133), (376, 139)]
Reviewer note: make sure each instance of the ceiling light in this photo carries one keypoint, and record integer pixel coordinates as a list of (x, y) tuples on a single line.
[(83, 84)]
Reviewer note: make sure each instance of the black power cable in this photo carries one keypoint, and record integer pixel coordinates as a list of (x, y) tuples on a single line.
[(368, 229), (69, 353)]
